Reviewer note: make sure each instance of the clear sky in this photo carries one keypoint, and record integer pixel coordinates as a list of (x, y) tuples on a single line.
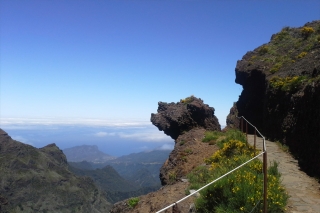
[(113, 60)]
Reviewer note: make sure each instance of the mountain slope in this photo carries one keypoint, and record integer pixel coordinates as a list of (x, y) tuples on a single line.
[(86, 153), (38, 180), (107, 178)]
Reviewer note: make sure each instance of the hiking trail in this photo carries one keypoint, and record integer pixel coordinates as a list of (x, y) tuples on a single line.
[(303, 190)]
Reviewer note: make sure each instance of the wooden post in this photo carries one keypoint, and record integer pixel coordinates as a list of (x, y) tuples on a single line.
[(254, 143), (247, 130), (175, 209), (241, 124), (265, 181)]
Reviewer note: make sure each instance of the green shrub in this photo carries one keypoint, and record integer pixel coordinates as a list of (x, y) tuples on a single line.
[(188, 151), (232, 134), (173, 176), (132, 202), (282, 146), (276, 67), (263, 50), (241, 190), (211, 136), (283, 34)]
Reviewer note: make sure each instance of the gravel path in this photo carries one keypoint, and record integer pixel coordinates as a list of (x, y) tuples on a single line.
[(303, 190)]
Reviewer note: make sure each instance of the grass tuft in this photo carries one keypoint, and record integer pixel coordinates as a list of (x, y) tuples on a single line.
[(132, 202)]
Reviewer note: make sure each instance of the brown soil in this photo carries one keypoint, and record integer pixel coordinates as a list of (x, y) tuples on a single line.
[(189, 152)]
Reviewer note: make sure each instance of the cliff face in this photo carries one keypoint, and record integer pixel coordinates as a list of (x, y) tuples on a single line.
[(186, 122), (281, 91), (38, 180), (189, 152), (176, 118)]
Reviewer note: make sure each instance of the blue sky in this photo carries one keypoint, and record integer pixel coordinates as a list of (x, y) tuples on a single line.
[(111, 61)]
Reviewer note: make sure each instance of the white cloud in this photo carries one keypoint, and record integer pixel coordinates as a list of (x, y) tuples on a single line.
[(146, 136), (144, 148), (166, 147), (104, 134), (27, 123)]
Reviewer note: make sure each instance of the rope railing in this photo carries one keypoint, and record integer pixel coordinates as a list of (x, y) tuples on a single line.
[(264, 153)]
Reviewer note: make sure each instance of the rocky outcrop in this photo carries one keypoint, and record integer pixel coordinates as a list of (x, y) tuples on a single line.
[(189, 152), (233, 121), (281, 91), (176, 118), (38, 180), (186, 122)]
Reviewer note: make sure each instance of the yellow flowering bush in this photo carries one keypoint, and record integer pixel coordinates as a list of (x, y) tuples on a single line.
[(306, 31), (187, 100), (287, 83), (301, 55), (240, 191)]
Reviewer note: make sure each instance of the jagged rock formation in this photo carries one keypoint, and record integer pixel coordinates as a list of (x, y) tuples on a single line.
[(189, 152), (177, 118), (281, 91), (38, 180), (232, 119), (186, 122)]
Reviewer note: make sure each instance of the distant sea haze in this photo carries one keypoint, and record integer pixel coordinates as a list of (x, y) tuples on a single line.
[(116, 140)]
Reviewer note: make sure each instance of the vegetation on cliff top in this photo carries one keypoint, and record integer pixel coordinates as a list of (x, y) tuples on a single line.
[(286, 47), (242, 190), (281, 91)]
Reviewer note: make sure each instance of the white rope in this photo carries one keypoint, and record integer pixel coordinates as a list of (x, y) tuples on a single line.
[(209, 183), (264, 151)]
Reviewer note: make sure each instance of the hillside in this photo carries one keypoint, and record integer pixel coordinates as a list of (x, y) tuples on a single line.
[(281, 91), (141, 168), (127, 176), (38, 180), (89, 153)]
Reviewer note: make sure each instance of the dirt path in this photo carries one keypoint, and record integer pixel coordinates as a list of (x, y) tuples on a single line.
[(303, 190)]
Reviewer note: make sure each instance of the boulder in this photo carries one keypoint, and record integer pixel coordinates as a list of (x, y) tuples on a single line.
[(176, 118)]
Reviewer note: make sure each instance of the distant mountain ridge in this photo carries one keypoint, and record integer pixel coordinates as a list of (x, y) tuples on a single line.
[(38, 180), (123, 177), (90, 153)]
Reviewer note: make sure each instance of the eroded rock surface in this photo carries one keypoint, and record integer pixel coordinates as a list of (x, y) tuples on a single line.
[(233, 121), (189, 152), (281, 91), (176, 118)]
